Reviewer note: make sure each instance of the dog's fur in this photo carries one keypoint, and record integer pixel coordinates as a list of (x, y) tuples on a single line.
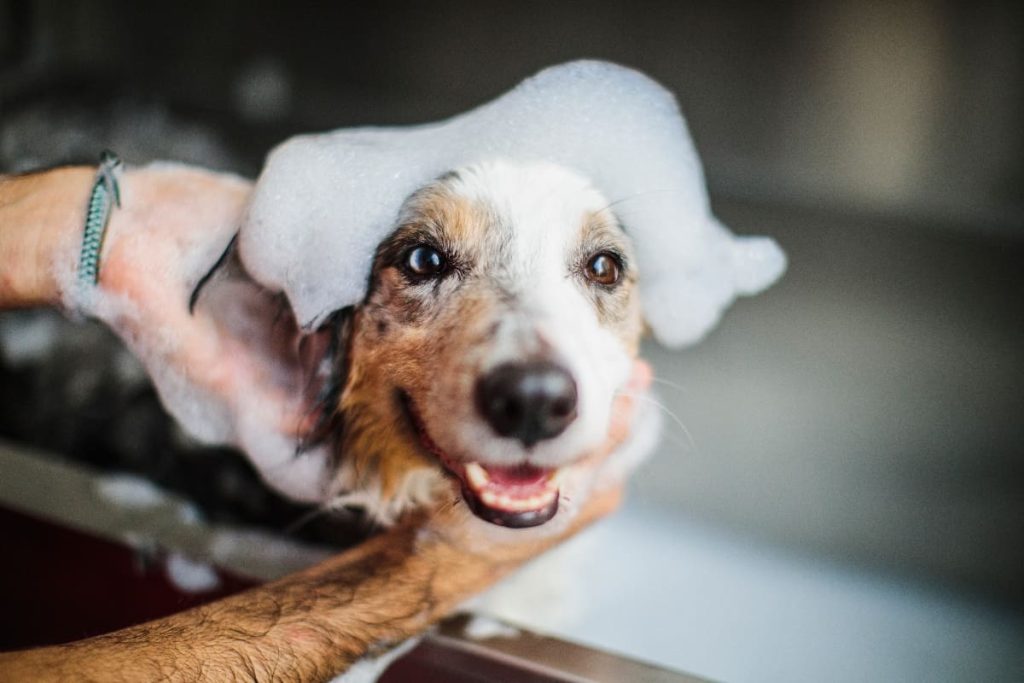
[(518, 238)]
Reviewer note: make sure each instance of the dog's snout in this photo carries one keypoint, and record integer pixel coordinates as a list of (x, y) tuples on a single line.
[(527, 401)]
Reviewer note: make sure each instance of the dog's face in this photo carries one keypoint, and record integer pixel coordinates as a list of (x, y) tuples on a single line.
[(502, 317)]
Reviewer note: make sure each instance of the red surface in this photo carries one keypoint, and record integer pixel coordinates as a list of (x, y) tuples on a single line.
[(430, 663), (58, 585)]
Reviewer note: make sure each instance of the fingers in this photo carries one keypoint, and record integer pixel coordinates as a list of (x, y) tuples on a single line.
[(642, 376), (601, 503), (621, 419)]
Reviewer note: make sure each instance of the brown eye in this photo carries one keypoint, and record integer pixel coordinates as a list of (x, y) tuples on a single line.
[(423, 262), (603, 269)]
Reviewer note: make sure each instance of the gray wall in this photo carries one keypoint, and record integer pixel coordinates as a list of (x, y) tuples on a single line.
[(908, 108), (868, 407)]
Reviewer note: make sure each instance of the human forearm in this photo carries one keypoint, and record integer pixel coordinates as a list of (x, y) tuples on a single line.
[(305, 627), (41, 219), (309, 626)]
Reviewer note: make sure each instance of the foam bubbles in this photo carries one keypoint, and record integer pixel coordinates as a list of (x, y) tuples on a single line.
[(324, 202), (131, 492), (190, 576)]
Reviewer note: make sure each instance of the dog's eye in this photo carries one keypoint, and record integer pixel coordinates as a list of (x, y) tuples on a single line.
[(604, 269), (424, 262)]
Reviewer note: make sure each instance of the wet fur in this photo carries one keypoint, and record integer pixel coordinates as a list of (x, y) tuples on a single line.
[(429, 342)]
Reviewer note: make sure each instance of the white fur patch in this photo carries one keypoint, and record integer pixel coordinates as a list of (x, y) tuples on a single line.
[(544, 207), (191, 576), (538, 212), (419, 488)]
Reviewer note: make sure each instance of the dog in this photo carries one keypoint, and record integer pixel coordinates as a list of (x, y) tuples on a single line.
[(501, 321)]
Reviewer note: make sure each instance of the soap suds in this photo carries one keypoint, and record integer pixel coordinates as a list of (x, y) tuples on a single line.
[(324, 202), (482, 627), (191, 576), (28, 337), (131, 492)]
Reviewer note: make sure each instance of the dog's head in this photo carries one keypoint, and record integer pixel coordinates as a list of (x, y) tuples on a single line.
[(501, 319)]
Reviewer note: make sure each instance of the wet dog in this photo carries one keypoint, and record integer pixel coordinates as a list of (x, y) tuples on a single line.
[(501, 320)]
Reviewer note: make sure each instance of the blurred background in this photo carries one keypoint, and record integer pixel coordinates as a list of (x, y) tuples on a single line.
[(846, 501)]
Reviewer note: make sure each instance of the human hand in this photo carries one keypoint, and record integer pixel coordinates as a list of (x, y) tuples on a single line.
[(229, 369)]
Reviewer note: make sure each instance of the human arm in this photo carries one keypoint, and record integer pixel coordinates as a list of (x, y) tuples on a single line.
[(41, 215), (308, 626)]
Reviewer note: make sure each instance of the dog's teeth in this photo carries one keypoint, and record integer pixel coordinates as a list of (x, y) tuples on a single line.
[(477, 475), (495, 496)]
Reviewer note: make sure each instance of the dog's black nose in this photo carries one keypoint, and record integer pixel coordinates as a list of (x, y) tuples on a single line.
[(527, 401)]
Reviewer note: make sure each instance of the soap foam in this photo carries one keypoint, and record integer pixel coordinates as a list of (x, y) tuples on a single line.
[(325, 201), (190, 576)]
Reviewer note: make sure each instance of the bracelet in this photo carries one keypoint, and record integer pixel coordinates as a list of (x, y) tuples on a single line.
[(104, 196)]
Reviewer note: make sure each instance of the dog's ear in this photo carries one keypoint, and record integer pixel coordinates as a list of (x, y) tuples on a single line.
[(324, 357)]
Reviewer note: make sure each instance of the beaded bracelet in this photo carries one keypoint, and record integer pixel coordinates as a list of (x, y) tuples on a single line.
[(104, 196)]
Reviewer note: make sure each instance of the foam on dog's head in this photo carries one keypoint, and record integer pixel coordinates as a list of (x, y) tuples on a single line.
[(324, 202)]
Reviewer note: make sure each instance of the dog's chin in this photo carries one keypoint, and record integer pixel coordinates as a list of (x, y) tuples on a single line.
[(517, 496)]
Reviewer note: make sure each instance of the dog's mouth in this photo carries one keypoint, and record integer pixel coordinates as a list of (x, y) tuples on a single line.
[(516, 496), (519, 496)]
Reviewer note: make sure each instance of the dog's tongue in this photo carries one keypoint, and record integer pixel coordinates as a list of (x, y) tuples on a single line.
[(521, 476)]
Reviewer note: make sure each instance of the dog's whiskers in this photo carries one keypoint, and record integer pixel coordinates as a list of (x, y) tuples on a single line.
[(692, 444), (668, 383)]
